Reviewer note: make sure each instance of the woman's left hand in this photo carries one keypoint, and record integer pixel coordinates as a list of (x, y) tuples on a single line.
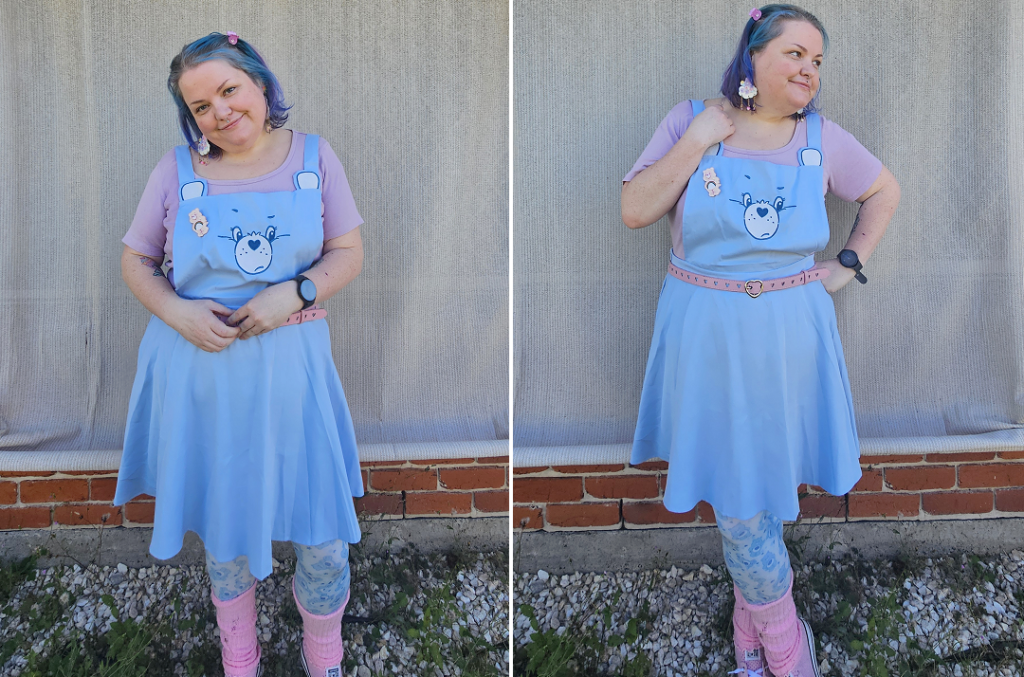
[(267, 310), (839, 275)]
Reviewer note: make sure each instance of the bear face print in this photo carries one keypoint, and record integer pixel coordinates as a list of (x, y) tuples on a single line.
[(761, 218), (253, 252)]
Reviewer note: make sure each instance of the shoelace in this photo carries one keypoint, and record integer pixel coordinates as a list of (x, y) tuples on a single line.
[(754, 673)]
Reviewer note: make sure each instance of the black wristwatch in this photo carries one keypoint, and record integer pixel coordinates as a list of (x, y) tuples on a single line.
[(849, 259), (307, 291)]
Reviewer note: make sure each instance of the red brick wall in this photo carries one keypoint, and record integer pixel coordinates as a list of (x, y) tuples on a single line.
[(932, 486), (463, 487)]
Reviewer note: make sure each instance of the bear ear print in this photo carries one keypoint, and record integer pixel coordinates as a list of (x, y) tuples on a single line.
[(307, 181), (810, 157), (193, 189)]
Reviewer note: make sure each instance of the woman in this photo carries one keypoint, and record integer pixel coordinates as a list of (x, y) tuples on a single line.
[(746, 392), (237, 422)]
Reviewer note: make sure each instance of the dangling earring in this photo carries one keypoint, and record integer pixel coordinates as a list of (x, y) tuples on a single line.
[(747, 92), (203, 148)]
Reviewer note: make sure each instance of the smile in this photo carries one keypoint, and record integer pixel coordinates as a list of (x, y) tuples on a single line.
[(224, 129)]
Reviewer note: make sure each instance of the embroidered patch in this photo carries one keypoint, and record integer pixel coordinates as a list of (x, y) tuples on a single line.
[(334, 671), (199, 223)]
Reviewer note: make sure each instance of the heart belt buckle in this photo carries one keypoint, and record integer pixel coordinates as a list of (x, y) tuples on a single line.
[(748, 287)]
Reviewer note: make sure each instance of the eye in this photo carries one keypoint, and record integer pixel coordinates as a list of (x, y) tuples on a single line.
[(201, 109), (228, 90)]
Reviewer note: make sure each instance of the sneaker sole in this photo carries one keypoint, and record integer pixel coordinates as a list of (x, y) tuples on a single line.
[(810, 643)]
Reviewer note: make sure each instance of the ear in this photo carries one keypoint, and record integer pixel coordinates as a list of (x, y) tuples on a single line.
[(236, 234), (778, 203), (271, 233), (746, 199)]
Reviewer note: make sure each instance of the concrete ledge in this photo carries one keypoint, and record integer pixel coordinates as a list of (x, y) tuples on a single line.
[(111, 545), (633, 549)]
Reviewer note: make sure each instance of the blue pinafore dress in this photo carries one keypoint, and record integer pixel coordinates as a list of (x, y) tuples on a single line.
[(747, 398), (254, 443)]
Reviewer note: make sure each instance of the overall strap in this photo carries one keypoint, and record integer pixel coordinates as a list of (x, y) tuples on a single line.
[(814, 131), (309, 177), (698, 108), (188, 185), (810, 155)]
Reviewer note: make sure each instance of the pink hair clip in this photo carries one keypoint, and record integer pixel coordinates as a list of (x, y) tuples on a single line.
[(233, 37), (755, 14)]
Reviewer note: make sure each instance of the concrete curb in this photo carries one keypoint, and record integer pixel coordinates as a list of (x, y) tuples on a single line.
[(130, 546), (634, 549)]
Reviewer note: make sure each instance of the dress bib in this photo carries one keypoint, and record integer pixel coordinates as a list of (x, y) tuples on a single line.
[(254, 443), (747, 398)]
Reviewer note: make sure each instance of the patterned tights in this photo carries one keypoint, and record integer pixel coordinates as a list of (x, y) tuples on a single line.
[(321, 576)]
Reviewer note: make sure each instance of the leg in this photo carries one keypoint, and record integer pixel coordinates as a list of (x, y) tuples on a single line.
[(737, 538), (758, 561), (321, 588), (234, 595)]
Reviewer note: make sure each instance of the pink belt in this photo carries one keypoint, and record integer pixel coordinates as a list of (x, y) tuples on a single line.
[(752, 288), (307, 315)]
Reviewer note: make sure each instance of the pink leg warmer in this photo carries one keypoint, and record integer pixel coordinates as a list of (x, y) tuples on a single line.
[(236, 619), (744, 633), (780, 631), (321, 640)]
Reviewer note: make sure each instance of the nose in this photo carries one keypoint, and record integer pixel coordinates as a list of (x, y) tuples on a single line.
[(221, 109)]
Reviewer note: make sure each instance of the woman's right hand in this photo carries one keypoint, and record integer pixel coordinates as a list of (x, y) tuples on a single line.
[(711, 126), (199, 322)]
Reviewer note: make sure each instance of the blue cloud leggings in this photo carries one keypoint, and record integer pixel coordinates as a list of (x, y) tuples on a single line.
[(321, 576), (756, 556)]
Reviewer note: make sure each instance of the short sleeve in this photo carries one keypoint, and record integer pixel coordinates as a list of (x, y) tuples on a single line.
[(148, 232), (340, 213), (668, 133), (850, 168)]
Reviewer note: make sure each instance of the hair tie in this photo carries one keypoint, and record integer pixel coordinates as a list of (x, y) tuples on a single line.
[(755, 14), (233, 37)]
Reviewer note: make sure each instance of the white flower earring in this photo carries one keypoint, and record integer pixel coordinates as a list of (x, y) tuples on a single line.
[(747, 92), (203, 148)]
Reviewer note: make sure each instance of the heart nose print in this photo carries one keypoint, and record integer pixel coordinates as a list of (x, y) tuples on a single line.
[(761, 211), (255, 244)]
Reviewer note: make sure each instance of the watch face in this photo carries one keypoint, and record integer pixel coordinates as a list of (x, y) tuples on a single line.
[(848, 258), (307, 290)]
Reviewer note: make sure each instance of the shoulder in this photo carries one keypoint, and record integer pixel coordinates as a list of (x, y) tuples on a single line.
[(834, 135), (163, 180)]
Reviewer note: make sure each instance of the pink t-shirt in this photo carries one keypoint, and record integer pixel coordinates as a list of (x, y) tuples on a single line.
[(850, 168), (150, 232)]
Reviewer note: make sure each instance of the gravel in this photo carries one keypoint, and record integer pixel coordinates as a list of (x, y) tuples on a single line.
[(958, 615), (469, 592)]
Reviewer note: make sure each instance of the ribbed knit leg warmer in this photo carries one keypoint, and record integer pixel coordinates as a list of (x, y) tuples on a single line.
[(746, 643), (780, 632), (322, 648), (236, 619)]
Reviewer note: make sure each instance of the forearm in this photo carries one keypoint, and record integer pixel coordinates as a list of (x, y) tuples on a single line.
[(341, 262), (655, 190), (873, 217), (148, 283)]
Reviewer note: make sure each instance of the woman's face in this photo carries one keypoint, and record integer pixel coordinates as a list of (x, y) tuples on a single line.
[(228, 106), (786, 70)]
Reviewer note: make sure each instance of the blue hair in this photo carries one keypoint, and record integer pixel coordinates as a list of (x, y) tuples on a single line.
[(757, 34), (242, 56)]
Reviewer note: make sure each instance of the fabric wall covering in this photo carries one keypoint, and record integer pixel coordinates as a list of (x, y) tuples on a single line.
[(934, 342), (413, 97)]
